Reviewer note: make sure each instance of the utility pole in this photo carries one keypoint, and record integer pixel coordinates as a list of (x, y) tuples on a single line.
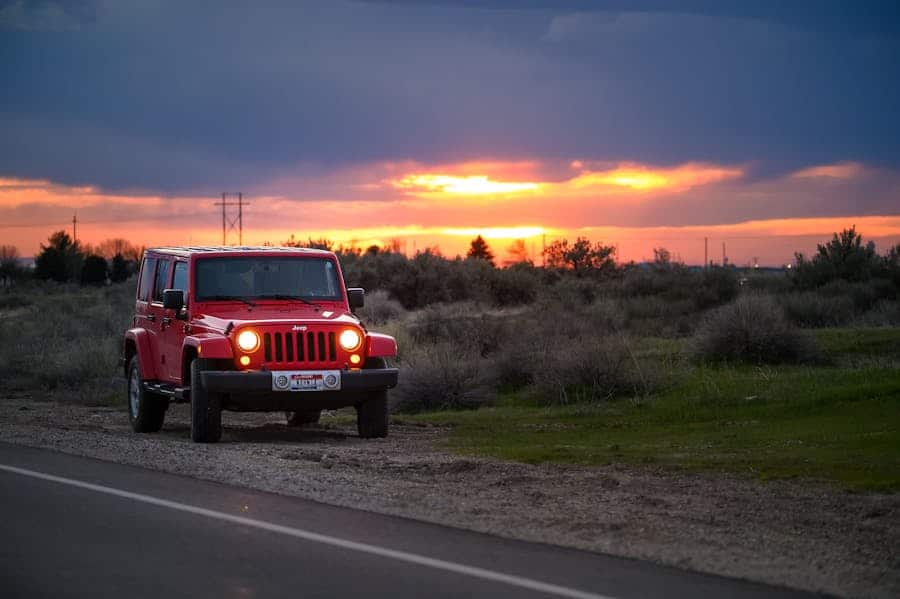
[(75, 228), (705, 253), (232, 224), (724, 255)]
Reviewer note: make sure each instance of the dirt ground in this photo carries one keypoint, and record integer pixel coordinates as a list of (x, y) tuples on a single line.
[(801, 535)]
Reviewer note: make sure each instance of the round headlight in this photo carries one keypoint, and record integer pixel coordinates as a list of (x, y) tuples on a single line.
[(350, 340), (248, 341)]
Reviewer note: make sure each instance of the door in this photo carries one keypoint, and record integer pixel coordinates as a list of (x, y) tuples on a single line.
[(171, 329), (156, 326)]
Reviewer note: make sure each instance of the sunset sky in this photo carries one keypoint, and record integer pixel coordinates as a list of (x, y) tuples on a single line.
[(761, 125)]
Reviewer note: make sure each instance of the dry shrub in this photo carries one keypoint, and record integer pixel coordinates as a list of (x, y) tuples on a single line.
[(813, 309), (885, 313), (604, 315), (571, 293), (590, 368), (438, 377), (752, 329), (380, 308), (464, 325), (515, 285)]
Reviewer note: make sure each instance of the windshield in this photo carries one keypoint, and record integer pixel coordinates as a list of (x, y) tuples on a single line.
[(267, 277)]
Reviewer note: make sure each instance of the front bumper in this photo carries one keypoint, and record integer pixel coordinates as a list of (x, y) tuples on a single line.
[(352, 381)]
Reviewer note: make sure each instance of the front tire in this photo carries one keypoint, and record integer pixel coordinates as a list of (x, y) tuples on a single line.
[(146, 410), (206, 407), (372, 414)]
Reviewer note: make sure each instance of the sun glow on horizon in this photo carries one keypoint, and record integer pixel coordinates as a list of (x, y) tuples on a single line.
[(498, 232)]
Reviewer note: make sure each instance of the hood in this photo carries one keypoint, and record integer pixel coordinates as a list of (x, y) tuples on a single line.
[(275, 315)]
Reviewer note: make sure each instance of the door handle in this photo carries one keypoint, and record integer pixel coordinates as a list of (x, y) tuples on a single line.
[(166, 320), (151, 317)]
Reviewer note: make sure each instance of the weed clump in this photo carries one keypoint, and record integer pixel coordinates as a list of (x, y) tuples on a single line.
[(752, 329)]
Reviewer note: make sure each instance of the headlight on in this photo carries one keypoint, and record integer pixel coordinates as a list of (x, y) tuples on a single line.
[(350, 340), (248, 341)]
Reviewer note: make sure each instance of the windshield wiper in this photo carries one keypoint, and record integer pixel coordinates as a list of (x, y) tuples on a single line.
[(281, 296), (229, 298)]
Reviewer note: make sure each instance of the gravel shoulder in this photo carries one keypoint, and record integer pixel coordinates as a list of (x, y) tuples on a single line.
[(801, 535)]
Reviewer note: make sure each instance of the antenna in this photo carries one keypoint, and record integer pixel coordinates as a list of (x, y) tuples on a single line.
[(229, 223)]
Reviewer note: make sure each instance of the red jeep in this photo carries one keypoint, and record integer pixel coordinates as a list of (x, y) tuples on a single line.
[(252, 329)]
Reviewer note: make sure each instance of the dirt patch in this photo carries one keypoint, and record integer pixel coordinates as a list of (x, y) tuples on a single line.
[(802, 535)]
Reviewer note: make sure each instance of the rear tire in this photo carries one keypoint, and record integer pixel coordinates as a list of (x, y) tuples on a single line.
[(206, 407), (303, 418), (146, 410), (372, 414)]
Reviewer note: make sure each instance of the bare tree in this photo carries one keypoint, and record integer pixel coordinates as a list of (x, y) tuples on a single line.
[(9, 262), (517, 252)]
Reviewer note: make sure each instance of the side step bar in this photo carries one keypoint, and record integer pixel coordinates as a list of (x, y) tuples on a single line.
[(177, 394)]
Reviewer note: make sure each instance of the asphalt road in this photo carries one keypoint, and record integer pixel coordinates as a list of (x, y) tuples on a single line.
[(77, 527)]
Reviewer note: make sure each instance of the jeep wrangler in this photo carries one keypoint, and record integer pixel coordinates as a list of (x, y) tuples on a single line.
[(252, 329)]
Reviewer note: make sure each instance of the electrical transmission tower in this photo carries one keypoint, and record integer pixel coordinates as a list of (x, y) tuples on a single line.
[(231, 222)]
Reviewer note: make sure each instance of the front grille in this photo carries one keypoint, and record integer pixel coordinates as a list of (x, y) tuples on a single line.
[(303, 346)]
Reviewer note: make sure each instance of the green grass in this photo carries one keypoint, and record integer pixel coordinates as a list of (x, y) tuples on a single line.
[(872, 342), (830, 423)]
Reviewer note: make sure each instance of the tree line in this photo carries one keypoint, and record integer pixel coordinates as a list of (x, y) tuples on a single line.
[(428, 277), (63, 260)]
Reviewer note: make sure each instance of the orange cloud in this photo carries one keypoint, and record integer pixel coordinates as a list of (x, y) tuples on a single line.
[(841, 170), (626, 177), (644, 178), (472, 185)]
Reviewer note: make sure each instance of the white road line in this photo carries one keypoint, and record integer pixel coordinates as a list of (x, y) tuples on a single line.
[(403, 556)]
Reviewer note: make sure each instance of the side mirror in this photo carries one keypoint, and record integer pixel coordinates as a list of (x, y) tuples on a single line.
[(173, 299), (357, 297)]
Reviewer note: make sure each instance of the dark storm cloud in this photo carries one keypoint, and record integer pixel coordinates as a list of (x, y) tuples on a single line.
[(873, 16), (46, 15), (174, 98)]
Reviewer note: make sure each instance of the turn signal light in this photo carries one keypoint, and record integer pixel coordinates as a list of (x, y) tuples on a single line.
[(245, 360), (355, 359)]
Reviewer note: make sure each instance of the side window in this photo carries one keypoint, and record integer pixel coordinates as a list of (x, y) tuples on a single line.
[(148, 269), (180, 280), (162, 279)]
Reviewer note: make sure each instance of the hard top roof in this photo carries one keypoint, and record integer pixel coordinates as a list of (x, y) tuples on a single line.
[(236, 249)]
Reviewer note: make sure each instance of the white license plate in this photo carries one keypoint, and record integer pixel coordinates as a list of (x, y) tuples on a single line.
[(306, 380)]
